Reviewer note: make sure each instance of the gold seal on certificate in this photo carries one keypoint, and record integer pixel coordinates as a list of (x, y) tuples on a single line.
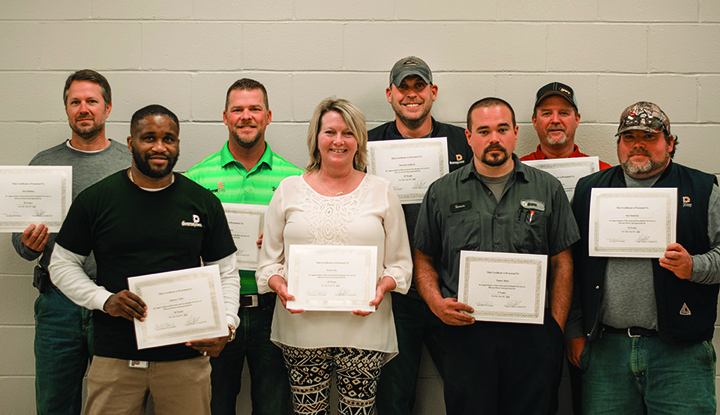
[(632, 222), (503, 287), (411, 165), (246, 224), (567, 170), (34, 194), (182, 305), (332, 278)]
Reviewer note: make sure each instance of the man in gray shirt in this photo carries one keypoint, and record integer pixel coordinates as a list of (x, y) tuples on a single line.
[(63, 330), (642, 331)]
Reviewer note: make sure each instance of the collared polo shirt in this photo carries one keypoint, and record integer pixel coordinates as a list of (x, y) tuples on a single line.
[(459, 212), (539, 155), (228, 179)]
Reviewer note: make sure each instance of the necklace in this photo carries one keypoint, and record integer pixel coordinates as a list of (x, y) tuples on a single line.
[(352, 179), (172, 178)]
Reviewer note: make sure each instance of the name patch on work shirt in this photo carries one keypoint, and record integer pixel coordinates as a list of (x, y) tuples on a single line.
[(459, 207)]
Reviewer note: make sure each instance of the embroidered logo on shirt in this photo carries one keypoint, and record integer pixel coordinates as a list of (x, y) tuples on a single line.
[(686, 201), (458, 157), (194, 224), (685, 311)]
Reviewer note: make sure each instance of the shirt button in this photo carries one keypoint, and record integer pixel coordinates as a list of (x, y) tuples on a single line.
[(497, 216), (497, 241), (489, 193), (597, 287)]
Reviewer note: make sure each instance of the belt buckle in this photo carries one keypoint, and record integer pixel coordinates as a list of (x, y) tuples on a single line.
[(255, 300), (633, 335)]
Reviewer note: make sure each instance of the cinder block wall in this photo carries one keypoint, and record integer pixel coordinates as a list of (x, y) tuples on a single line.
[(185, 53)]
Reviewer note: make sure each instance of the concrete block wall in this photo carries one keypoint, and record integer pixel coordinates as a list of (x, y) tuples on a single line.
[(185, 53)]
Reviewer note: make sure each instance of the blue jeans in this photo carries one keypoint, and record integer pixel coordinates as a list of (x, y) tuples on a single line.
[(270, 389), (643, 375), (63, 346), (415, 324)]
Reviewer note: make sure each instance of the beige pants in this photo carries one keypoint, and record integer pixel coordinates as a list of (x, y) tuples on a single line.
[(177, 387)]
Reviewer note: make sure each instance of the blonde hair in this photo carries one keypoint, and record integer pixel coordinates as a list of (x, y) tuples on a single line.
[(354, 119)]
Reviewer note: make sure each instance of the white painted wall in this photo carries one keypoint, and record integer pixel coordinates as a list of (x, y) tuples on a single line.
[(185, 53)]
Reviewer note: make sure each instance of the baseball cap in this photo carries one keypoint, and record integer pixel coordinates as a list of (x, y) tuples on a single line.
[(411, 65), (556, 88), (644, 116)]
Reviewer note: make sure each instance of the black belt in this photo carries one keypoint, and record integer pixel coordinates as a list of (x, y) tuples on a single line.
[(631, 331), (257, 300)]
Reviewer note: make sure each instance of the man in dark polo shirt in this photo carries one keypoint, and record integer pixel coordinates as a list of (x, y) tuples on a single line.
[(411, 93), (495, 204)]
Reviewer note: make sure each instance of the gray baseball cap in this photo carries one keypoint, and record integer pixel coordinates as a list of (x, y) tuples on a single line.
[(411, 65)]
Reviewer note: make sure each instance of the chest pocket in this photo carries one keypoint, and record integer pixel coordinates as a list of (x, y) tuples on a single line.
[(463, 226), (529, 227)]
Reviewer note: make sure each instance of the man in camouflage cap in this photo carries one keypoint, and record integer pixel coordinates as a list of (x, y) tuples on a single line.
[(645, 326)]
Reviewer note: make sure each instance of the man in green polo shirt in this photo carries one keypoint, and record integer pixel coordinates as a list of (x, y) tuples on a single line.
[(246, 171)]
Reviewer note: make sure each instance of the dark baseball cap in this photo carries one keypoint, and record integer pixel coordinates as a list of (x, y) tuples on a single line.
[(644, 116), (556, 88), (411, 65)]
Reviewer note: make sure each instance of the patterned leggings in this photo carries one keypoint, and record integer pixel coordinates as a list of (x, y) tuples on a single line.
[(310, 372)]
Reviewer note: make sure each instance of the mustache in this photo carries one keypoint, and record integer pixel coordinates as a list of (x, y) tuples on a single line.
[(494, 146), (643, 152)]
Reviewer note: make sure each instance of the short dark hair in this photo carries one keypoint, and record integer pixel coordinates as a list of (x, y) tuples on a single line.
[(152, 110), (247, 84), (487, 103), (90, 76)]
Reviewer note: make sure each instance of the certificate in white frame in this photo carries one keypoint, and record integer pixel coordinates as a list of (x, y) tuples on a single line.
[(567, 170), (332, 278), (632, 222), (246, 224), (182, 305), (411, 165), (34, 195), (503, 287)]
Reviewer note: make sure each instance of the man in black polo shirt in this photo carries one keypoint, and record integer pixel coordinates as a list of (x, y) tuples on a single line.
[(411, 94)]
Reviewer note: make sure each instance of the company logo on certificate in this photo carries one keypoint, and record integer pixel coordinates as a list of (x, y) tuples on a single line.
[(332, 278), (503, 287), (632, 222), (567, 170), (182, 305), (34, 194), (411, 165), (246, 224)]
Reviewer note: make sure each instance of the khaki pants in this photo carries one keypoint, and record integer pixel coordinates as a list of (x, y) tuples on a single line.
[(177, 387)]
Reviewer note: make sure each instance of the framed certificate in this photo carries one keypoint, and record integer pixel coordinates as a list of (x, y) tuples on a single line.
[(34, 194), (411, 165), (332, 278), (182, 305), (632, 222), (246, 224), (567, 170), (503, 287)]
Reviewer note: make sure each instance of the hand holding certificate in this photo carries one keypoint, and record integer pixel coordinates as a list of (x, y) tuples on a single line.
[(332, 278), (410, 165), (632, 222), (34, 194), (503, 287), (181, 306)]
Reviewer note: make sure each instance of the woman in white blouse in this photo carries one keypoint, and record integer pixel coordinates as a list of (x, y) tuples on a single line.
[(335, 203)]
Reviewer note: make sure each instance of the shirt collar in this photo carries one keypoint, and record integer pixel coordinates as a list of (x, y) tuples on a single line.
[(226, 157)]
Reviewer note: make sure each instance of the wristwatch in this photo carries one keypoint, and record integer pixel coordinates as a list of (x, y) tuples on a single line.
[(231, 335)]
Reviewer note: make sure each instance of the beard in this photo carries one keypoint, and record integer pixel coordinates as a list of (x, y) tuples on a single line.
[(88, 132), (649, 166), (556, 142), (247, 143), (142, 162), (494, 161), (411, 123)]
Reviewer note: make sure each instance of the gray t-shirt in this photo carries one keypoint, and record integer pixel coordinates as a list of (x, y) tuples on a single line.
[(89, 167)]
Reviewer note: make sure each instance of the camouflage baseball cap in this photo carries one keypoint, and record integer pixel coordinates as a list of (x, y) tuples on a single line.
[(644, 116), (411, 65)]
